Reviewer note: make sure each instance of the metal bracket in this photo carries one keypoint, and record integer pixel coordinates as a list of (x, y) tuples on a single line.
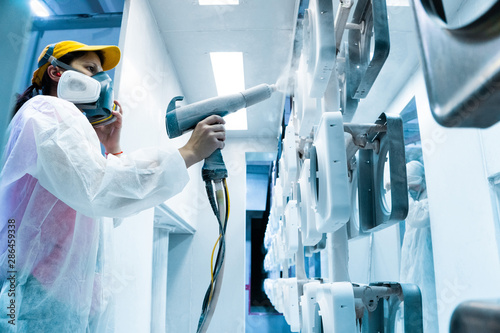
[(375, 210), (359, 134), (364, 68), (361, 67), (358, 139), (348, 105), (341, 18), (461, 66), (476, 316), (373, 297)]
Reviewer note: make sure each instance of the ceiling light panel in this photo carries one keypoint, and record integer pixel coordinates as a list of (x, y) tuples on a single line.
[(229, 79), (39, 9)]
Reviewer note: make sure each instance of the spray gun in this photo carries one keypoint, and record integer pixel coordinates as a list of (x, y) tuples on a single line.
[(182, 119)]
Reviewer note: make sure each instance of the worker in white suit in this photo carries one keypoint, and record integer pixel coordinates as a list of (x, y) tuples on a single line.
[(417, 264), (56, 186)]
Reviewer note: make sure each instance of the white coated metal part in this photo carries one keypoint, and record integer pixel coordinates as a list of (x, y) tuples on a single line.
[(291, 229), (353, 229), (268, 235), (336, 307), (272, 224), (333, 200), (278, 198), (310, 234), (279, 243), (291, 303), (341, 18), (285, 186), (308, 110), (289, 160), (278, 296), (308, 306), (319, 45)]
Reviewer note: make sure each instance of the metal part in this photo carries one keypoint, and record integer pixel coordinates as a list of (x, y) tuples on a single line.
[(359, 134), (360, 27), (310, 234), (363, 68), (353, 229), (381, 317), (358, 139), (375, 211), (332, 199), (348, 105), (476, 316), (468, 97), (341, 20), (351, 150), (370, 295), (336, 307), (310, 250), (319, 45), (411, 297)]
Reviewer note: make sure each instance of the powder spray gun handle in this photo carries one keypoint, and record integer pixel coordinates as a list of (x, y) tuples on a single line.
[(214, 167)]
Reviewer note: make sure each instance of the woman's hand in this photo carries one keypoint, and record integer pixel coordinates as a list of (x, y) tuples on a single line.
[(109, 135), (208, 135)]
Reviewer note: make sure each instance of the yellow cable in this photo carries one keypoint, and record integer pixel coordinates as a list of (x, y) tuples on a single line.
[(212, 268), (215, 246), (228, 201)]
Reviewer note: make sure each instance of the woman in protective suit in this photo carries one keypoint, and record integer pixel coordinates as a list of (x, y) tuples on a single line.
[(417, 264), (56, 187)]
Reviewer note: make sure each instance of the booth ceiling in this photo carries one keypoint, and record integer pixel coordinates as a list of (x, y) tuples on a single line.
[(263, 31)]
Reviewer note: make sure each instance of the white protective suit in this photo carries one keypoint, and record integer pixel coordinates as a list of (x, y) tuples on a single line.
[(417, 263), (57, 186)]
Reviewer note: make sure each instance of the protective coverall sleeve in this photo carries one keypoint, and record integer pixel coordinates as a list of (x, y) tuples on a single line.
[(418, 213), (67, 161)]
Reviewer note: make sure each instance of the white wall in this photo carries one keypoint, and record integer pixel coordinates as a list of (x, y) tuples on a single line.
[(144, 81), (457, 164), (376, 258), (189, 261)]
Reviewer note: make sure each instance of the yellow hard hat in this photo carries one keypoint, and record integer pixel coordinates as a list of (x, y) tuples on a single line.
[(110, 53)]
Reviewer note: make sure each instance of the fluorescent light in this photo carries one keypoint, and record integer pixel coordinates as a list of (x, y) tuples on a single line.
[(229, 79), (218, 2), (39, 9)]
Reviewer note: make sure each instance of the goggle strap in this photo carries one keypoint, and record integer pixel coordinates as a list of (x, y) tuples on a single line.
[(58, 63), (49, 58), (47, 55)]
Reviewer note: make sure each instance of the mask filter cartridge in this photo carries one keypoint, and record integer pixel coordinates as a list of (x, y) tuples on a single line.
[(93, 95)]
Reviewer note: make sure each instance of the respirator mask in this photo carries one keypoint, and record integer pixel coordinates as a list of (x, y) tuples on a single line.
[(91, 94)]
